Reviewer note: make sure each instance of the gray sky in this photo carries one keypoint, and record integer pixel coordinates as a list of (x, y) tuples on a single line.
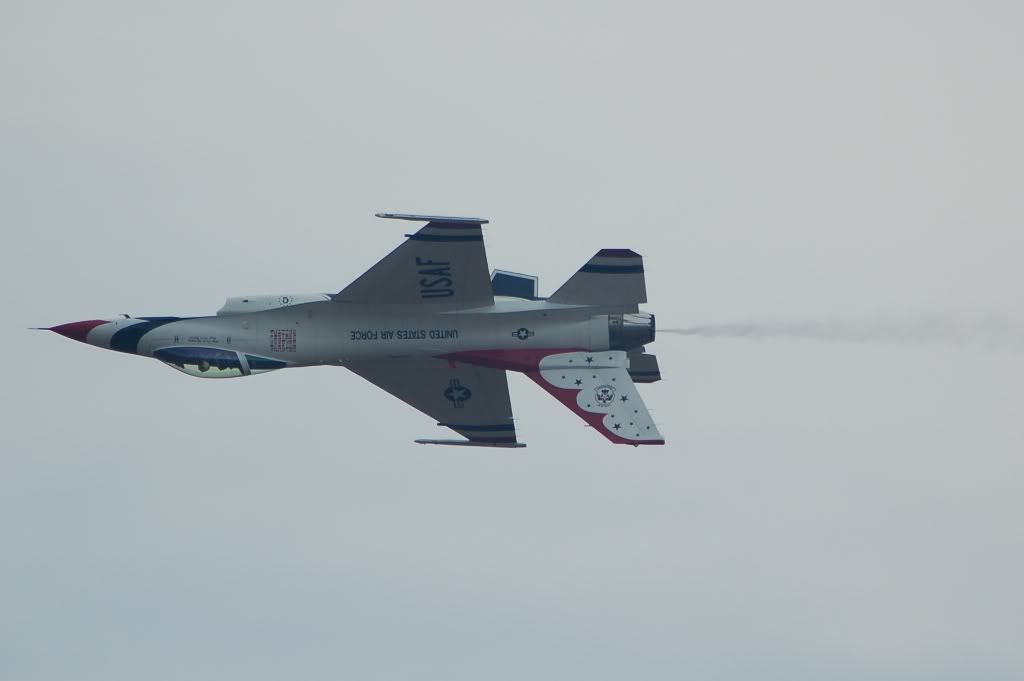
[(823, 509)]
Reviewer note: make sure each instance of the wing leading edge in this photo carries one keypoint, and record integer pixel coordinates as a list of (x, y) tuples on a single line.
[(444, 263)]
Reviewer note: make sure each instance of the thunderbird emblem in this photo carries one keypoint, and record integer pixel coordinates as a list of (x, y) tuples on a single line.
[(604, 394)]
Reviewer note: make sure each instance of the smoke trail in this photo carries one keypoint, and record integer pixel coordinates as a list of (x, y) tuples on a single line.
[(961, 330)]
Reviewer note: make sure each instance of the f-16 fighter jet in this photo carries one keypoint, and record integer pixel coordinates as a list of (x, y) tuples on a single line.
[(430, 326)]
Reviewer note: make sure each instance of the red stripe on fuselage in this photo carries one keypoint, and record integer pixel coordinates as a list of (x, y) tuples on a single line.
[(512, 360)]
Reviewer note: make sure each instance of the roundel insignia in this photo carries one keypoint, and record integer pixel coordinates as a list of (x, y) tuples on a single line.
[(522, 333), (457, 394)]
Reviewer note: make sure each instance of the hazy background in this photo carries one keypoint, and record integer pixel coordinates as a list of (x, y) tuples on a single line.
[(840, 510)]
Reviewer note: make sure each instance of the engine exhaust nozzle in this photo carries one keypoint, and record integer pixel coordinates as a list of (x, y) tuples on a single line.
[(629, 331)]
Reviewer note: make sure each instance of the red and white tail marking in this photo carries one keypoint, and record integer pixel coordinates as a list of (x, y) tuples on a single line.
[(597, 386)]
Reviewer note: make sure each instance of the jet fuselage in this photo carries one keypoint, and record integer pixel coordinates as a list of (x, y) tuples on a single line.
[(429, 325), (320, 333)]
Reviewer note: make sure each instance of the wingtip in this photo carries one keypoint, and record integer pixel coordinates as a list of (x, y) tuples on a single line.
[(445, 219), (471, 443)]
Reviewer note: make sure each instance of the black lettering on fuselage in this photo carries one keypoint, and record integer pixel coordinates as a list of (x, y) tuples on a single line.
[(435, 278)]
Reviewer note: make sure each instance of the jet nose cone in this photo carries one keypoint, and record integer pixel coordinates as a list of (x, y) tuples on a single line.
[(77, 330)]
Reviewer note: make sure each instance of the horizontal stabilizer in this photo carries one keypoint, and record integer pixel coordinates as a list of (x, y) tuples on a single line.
[(643, 368), (612, 277)]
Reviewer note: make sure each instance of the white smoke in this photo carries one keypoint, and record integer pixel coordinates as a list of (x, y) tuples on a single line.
[(986, 330)]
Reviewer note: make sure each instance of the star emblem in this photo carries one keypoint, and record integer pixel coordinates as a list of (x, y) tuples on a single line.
[(590, 360), (456, 393), (579, 381), (617, 426), (624, 398)]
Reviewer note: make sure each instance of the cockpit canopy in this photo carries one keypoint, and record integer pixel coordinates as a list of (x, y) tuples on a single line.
[(204, 362)]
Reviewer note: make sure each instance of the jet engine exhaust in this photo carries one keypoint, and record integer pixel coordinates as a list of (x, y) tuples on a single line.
[(961, 330), (629, 331)]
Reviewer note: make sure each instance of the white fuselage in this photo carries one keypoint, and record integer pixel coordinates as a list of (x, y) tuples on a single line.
[(430, 326), (336, 333)]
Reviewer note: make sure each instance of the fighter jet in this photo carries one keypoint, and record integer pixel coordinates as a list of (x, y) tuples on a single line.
[(429, 325)]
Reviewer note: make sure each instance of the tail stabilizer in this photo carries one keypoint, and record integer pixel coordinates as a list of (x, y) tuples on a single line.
[(597, 387), (514, 284), (615, 276), (643, 367)]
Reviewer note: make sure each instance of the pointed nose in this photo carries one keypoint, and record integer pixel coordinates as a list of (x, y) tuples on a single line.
[(77, 330)]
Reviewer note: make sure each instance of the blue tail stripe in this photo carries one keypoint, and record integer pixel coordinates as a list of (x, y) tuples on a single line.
[(612, 269)]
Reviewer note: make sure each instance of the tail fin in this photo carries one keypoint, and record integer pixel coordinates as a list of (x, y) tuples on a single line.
[(615, 276), (643, 367)]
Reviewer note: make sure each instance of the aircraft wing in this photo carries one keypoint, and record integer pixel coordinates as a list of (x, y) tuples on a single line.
[(444, 263), (471, 400)]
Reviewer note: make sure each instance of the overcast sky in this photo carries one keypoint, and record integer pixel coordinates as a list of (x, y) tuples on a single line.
[(839, 510)]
